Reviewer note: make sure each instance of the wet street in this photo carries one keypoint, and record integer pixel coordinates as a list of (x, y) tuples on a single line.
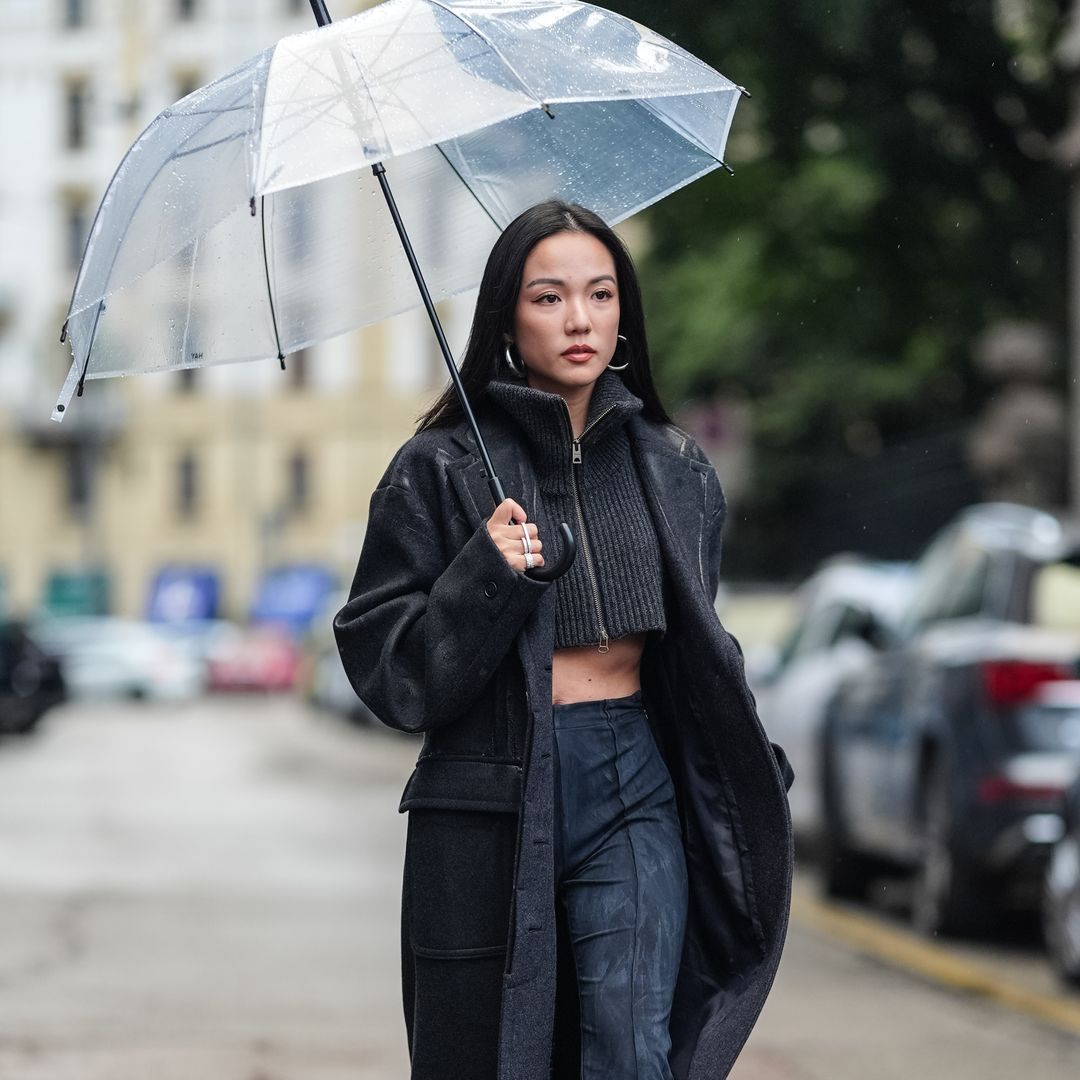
[(211, 891)]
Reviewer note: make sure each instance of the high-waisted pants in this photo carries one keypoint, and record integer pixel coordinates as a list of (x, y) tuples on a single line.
[(620, 875)]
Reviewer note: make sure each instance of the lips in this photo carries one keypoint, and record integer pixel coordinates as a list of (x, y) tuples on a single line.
[(579, 352)]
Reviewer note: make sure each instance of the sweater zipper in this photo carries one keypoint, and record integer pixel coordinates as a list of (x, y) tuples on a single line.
[(575, 459)]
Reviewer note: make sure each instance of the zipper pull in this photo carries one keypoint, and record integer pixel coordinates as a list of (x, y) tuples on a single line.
[(603, 642), (575, 452)]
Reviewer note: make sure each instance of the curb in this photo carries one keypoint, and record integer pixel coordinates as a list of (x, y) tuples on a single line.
[(905, 950)]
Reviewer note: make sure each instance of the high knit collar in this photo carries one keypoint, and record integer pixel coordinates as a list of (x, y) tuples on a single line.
[(544, 419)]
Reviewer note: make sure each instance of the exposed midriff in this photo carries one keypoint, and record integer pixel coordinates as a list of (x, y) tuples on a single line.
[(583, 673)]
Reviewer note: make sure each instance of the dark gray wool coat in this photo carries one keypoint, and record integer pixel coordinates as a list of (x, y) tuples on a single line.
[(441, 636)]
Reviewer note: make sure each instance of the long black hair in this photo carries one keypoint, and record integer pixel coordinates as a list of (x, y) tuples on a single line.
[(493, 318)]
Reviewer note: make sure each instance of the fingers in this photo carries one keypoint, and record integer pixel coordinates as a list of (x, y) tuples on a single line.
[(508, 527), (508, 512)]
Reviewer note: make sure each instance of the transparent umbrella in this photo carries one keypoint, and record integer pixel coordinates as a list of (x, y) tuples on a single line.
[(250, 219)]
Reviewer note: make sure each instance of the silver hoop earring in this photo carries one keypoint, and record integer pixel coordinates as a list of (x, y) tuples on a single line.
[(519, 372), (625, 364)]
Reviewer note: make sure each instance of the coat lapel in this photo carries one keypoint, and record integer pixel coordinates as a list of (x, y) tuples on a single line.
[(680, 494), (509, 455)]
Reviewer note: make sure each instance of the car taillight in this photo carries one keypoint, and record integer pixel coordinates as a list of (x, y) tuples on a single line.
[(1009, 682), (999, 789)]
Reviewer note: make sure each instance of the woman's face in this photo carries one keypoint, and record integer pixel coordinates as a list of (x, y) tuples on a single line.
[(566, 322)]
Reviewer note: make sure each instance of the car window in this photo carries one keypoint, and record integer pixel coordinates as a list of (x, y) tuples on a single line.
[(967, 582), (951, 582), (815, 632), (1055, 596), (931, 580), (854, 622)]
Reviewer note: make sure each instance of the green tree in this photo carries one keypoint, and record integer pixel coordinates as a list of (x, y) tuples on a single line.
[(894, 195)]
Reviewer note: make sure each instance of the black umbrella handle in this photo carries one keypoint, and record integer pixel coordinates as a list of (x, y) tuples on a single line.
[(569, 544), (566, 559)]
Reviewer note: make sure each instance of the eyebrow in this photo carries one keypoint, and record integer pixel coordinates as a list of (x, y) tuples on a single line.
[(559, 281)]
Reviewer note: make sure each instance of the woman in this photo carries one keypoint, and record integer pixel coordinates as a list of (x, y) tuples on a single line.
[(598, 864)]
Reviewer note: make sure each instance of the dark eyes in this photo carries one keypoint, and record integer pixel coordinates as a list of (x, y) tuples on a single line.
[(551, 298)]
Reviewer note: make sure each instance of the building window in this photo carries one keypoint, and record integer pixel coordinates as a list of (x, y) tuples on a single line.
[(76, 102), (296, 367), (299, 482), (187, 485), (77, 226), (77, 481), (74, 14), (185, 9), (187, 82)]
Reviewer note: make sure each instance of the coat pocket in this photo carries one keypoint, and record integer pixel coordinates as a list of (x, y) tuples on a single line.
[(441, 782), (459, 873)]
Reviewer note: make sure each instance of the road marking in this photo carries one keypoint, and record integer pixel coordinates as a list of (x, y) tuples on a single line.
[(905, 950)]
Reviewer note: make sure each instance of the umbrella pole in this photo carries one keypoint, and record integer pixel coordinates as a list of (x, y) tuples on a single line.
[(569, 545)]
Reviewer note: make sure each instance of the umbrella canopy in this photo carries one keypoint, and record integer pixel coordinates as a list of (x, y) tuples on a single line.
[(246, 223)]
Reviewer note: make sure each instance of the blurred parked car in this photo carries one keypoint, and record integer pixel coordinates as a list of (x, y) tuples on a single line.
[(256, 658), (202, 639), (30, 680), (949, 754), (841, 607), (1061, 901), (322, 680), (112, 657)]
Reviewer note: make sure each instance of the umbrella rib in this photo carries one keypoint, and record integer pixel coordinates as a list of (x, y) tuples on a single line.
[(90, 347), (491, 45), (269, 290), (681, 129), (190, 298), (210, 145), (390, 37), (468, 187), (341, 86)]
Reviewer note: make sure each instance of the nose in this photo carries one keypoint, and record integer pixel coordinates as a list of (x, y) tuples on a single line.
[(577, 317)]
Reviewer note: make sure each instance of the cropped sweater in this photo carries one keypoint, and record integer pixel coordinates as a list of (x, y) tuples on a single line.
[(615, 585)]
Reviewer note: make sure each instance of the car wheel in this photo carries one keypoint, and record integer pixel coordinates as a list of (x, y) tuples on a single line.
[(845, 873), (948, 897), (1061, 910)]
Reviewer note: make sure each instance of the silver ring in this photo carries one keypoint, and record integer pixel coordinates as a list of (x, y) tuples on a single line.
[(530, 560), (525, 541)]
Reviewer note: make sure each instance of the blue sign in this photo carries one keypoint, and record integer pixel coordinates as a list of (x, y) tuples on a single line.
[(183, 594)]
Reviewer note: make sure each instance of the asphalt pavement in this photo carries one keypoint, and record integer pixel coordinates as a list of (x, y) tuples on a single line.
[(210, 892)]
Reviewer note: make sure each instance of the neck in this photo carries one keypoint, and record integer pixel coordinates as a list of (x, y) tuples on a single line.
[(577, 400)]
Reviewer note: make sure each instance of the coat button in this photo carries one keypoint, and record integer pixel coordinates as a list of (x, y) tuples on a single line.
[(490, 589)]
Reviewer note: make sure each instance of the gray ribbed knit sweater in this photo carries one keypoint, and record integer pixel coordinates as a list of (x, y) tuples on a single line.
[(615, 586)]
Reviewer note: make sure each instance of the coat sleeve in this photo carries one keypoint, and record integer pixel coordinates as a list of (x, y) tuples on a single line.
[(714, 532), (714, 537), (422, 632)]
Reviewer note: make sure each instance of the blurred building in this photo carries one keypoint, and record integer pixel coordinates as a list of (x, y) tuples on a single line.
[(1019, 446), (238, 468)]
